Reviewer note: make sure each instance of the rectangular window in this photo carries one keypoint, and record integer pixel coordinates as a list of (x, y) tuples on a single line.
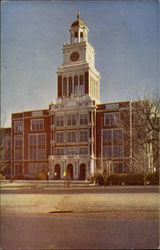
[(18, 147), (83, 150), (59, 121), (117, 137), (113, 143), (83, 136), (71, 151), (59, 151), (37, 124), (71, 136), (117, 151), (83, 119), (37, 147), (41, 147), (107, 137), (81, 89), (32, 147), (71, 120), (18, 126), (111, 118), (107, 151), (60, 137)]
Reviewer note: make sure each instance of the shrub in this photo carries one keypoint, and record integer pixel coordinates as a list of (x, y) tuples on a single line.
[(2, 177), (100, 178), (126, 179), (153, 178), (17, 177), (41, 176)]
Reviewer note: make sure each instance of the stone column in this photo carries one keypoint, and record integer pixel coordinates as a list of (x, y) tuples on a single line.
[(73, 85), (78, 86)]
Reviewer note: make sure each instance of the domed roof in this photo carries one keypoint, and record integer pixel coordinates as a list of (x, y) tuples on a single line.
[(78, 22)]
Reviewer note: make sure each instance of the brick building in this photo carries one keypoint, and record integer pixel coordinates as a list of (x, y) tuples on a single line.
[(77, 134), (30, 142)]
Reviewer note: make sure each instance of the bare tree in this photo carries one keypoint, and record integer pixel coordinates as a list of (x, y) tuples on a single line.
[(5, 151), (144, 136), (103, 168)]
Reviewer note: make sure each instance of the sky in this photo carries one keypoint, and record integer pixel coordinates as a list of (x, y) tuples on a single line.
[(124, 35)]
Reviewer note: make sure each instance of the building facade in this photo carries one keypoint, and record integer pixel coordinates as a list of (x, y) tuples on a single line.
[(30, 137), (77, 135)]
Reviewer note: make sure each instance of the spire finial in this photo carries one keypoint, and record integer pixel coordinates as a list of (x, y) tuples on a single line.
[(78, 15)]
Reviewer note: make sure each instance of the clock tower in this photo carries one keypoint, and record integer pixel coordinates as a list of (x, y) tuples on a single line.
[(77, 75), (73, 114)]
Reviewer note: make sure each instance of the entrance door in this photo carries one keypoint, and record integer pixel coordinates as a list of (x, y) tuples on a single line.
[(82, 175), (70, 172), (57, 172)]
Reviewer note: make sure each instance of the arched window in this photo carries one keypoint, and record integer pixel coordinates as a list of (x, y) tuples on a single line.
[(81, 36), (75, 34), (70, 86), (75, 37), (81, 85), (76, 85), (81, 79), (64, 86)]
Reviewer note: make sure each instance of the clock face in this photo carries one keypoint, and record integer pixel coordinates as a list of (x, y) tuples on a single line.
[(74, 56)]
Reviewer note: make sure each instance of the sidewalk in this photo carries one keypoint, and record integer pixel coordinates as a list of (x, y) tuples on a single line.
[(61, 184), (79, 203), (43, 184)]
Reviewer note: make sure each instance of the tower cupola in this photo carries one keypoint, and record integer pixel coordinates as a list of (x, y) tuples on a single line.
[(77, 76), (78, 31)]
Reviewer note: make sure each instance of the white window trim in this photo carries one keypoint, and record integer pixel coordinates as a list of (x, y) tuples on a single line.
[(29, 157), (60, 132), (59, 148), (31, 121), (109, 113), (83, 147), (83, 119), (72, 114), (59, 126), (114, 129), (15, 147), (72, 150), (19, 131), (84, 130), (71, 140)]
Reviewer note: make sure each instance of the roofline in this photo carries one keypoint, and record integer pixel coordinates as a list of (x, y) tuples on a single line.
[(30, 111), (113, 102)]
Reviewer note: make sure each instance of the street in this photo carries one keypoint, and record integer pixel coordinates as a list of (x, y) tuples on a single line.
[(80, 218), (57, 232)]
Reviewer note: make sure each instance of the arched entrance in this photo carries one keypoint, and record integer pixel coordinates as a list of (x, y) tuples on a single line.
[(69, 172), (57, 172), (82, 175)]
